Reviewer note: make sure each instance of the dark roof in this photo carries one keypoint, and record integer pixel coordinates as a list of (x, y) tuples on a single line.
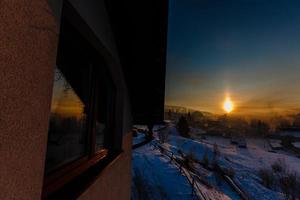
[(140, 30)]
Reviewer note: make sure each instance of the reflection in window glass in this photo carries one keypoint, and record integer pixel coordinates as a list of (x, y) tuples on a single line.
[(67, 128)]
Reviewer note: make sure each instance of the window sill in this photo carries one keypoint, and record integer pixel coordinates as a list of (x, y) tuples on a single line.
[(70, 182)]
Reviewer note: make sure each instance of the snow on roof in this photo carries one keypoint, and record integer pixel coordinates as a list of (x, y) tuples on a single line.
[(290, 133), (296, 144), (142, 127), (275, 143)]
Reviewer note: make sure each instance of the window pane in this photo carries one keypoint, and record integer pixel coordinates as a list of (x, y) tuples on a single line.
[(67, 130), (105, 111)]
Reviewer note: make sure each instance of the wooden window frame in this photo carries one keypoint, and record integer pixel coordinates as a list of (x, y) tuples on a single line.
[(71, 179)]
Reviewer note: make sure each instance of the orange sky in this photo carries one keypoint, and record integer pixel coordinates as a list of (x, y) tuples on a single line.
[(65, 103)]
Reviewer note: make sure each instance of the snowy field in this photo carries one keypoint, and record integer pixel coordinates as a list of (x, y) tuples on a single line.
[(154, 177), (165, 182), (139, 138)]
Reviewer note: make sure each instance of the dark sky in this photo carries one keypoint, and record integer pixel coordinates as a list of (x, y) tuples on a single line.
[(248, 50)]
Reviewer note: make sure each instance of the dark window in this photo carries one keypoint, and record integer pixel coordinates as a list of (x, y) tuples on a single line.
[(105, 95), (81, 127), (67, 140)]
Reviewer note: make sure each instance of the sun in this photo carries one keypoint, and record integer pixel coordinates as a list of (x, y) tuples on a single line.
[(228, 105)]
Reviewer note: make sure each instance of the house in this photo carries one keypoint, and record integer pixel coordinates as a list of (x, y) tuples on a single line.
[(75, 76), (294, 133), (275, 144)]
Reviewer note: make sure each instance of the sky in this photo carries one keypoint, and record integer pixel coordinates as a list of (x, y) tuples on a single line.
[(247, 50), (65, 101)]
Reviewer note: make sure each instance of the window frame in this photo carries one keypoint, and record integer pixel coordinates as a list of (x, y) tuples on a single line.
[(81, 172), (108, 138)]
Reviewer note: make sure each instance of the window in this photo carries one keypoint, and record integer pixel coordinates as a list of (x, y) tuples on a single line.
[(69, 132), (104, 107), (67, 137), (81, 127)]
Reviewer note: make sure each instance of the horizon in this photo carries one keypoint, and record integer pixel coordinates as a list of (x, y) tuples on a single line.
[(261, 116), (218, 50)]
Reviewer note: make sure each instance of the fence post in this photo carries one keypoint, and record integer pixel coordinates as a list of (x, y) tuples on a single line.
[(193, 182), (180, 167), (171, 157)]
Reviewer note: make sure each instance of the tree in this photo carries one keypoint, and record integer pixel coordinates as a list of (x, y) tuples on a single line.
[(189, 117), (259, 127), (169, 114), (183, 127), (163, 135), (216, 152), (289, 185)]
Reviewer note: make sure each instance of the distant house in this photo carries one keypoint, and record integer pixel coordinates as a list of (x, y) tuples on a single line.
[(239, 141), (242, 143), (293, 132), (275, 144), (197, 131), (296, 145)]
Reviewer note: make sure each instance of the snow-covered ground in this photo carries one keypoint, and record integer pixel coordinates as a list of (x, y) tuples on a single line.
[(139, 138), (154, 177), (165, 182)]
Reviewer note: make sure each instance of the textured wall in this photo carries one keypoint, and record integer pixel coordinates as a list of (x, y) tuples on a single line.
[(28, 45), (114, 183)]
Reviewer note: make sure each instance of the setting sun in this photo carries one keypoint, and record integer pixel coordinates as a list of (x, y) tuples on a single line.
[(228, 106)]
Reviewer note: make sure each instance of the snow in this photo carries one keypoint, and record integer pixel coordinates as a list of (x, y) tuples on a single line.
[(162, 179), (296, 144), (245, 162), (161, 175), (197, 131), (275, 144), (141, 127), (139, 138)]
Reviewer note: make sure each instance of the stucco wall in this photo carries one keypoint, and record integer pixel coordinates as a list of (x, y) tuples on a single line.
[(114, 183), (28, 46), (29, 34)]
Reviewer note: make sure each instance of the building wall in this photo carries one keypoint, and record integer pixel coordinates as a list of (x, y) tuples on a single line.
[(114, 183), (29, 34), (28, 49)]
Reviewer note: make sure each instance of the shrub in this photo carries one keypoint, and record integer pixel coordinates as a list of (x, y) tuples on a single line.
[(229, 171), (267, 177), (163, 135), (190, 158), (287, 141), (215, 165), (289, 185), (140, 187), (188, 162), (216, 152), (279, 166), (205, 160), (183, 127)]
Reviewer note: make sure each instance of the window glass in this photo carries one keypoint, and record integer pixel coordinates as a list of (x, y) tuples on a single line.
[(82, 104), (104, 111), (67, 135)]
